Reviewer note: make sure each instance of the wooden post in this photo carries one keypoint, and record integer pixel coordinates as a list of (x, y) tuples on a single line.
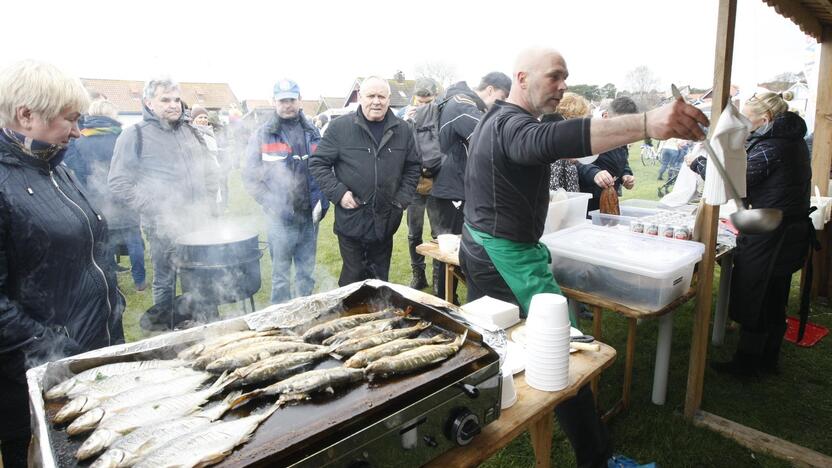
[(821, 156), (726, 20)]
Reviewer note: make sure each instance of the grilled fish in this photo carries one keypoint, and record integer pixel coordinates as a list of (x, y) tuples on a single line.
[(210, 356), (106, 371), (300, 386), (129, 398), (413, 360), (207, 445), (364, 357), (369, 328), (128, 449), (324, 330), (276, 367), (210, 344), (350, 347), (248, 355), (109, 426), (120, 383)]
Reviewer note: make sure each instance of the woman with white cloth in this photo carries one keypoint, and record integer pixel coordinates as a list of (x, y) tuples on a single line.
[(778, 176)]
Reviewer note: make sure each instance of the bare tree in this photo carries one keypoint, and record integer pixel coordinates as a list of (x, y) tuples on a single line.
[(442, 72), (642, 83)]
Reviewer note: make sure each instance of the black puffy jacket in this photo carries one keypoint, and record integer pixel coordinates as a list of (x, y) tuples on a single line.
[(57, 295), (382, 177)]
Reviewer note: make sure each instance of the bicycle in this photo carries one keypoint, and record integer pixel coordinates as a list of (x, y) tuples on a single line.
[(649, 155)]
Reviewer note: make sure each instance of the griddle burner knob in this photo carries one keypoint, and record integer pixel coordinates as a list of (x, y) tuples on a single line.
[(464, 427)]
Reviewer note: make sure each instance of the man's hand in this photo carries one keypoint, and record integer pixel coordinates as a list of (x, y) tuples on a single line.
[(348, 202), (629, 181), (676, 120), (409, 113), (603, 179)]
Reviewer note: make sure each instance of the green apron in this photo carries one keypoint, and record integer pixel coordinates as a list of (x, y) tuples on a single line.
[(524, 267)]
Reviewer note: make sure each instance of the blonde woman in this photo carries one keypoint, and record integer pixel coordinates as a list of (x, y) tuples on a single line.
[(57, 295), (778, 176), (564, 171)]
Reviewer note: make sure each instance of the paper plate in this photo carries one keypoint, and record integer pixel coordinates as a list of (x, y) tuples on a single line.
[(515, 358)]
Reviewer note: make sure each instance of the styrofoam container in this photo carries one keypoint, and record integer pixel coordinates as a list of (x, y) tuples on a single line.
[(500, 313), (566, 213), (547, 386), (508, 394), (448, 243), (632, 269), (821, 216), (548, 310)]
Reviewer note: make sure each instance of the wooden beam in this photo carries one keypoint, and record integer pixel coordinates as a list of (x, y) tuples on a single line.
[(822, 145), (761, 442), (799, 15), (726, 22)]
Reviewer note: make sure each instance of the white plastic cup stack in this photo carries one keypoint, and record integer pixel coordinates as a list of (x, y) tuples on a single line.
[(547, 343)]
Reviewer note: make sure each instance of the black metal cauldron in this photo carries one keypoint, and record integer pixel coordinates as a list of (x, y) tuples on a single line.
[(219, 266)]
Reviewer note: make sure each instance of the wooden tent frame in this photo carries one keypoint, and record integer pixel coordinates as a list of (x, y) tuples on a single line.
[(814, 17)]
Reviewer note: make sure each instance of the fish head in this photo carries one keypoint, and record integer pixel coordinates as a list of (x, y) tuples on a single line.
[(60, 390), (96, 442), (112, 458), (86, 421), (75, 407)]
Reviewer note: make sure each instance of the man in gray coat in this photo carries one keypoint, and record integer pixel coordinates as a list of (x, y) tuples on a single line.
[(162, 169)]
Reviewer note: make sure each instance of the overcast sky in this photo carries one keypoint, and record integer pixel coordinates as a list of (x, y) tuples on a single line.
[(324, 45)]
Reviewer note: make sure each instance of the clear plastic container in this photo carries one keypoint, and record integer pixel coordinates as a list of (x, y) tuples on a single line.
[(632, 269), (566, 213), (628, 214)]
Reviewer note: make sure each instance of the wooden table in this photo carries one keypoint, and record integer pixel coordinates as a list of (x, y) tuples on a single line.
[(451, 262), (532, 412)]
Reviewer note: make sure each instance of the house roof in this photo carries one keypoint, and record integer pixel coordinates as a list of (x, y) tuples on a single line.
[(401, 91), (310, 107), (251, 104), (126, 94), (329, 102)]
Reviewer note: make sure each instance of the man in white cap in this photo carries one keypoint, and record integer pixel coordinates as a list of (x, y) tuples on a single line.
[(277, 175)]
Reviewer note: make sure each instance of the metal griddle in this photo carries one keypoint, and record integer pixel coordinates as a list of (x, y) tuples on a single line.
[(319, 426)]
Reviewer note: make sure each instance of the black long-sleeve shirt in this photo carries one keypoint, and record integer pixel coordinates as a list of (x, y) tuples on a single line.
[(507, 176)]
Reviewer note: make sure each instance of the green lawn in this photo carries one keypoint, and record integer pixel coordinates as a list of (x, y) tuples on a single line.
[(796, 405)]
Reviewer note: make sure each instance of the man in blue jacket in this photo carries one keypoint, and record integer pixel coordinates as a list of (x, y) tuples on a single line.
[(277, 176)]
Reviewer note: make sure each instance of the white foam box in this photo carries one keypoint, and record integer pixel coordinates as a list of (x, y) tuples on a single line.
[(489, 311)]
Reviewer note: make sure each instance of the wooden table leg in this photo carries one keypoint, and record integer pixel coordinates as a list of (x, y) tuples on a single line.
[(628, 361), (596, 333), (540, 432), (449, 283)]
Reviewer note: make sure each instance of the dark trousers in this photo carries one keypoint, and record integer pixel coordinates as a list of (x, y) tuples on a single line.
[(449, 220), (364, 259), (132, 238), (764, 336), (577, 416), (415, 226), (15, 431)]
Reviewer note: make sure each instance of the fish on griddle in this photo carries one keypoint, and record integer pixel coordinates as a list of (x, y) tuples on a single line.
[(301, 386), (366, 356), (369, 328), (130, 448), (350, 347), (414, 360), (248, 355), (207, 445), (322, 331), (130, 397), (277, 367), (209, 356), (97, 374), (195, 350), (120, 383)]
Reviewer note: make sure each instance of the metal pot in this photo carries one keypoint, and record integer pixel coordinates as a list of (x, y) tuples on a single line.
[(218, 267)]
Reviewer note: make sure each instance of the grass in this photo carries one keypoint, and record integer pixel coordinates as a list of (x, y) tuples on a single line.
[(796, 405)]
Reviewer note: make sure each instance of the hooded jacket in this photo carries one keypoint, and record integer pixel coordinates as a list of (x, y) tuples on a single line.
[(381, 176), (168, 175), (56, 293), (277, 176), (460, 115), (89, 157)]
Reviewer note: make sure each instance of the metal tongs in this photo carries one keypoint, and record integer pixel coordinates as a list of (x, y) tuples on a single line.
[(747, 221)]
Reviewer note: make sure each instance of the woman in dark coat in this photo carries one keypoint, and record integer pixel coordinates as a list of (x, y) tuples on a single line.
[(57, 295), (779, 175)]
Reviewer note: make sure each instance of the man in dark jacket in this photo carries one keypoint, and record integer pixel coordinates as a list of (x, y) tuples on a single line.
[(612, 168), (277, 175), (507, 196), (460, 115), (162, 169), (367, 164), (89, 158)]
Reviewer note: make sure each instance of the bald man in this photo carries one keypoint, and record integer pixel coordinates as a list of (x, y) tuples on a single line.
[(506, 194), (367, 165)]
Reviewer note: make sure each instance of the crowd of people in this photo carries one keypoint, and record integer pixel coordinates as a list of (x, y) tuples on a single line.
[(70, 195)]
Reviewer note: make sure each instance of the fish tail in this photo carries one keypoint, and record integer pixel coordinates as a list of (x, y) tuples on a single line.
[(222, 382), (461, 339)]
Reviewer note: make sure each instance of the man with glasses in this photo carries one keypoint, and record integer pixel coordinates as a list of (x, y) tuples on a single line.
[(162, 169)]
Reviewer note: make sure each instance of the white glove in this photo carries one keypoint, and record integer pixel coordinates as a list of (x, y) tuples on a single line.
[(316, 213)]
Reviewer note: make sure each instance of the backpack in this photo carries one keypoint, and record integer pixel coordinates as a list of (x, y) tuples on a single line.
[(426, 131)]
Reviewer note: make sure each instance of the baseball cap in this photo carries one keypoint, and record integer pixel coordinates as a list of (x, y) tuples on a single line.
[(286, 89), (425, 87)]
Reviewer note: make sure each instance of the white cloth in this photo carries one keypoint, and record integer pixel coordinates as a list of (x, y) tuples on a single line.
[(683, 189), (728, 142)]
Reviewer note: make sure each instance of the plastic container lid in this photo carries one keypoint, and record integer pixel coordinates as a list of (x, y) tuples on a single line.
[(654, 257)]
